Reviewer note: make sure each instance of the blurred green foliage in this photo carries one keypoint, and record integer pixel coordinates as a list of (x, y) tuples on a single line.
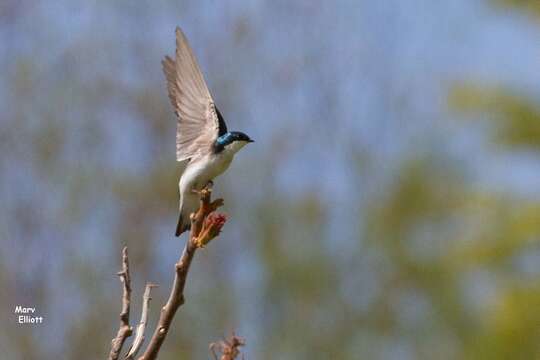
[(531, 7), (516, 116)]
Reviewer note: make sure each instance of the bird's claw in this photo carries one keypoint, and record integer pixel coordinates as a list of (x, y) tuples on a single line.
[(207, 188)]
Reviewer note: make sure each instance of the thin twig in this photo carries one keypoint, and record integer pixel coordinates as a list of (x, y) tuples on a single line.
[(124, 330), (203, 229), (139, 333), (229, 348)]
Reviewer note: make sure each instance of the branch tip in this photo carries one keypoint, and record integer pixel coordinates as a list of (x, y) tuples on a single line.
[(124, 329), (229, 348), (139, 335)]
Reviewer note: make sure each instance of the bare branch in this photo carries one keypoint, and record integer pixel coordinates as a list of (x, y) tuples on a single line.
[(229, 348), (139, 333), (124, 330), (207, 230)]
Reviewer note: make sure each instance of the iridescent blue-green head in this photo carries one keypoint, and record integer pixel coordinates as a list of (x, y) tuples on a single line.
[(231, 140)]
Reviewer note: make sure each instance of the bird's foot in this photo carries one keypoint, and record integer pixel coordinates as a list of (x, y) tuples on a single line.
[(206, 189)]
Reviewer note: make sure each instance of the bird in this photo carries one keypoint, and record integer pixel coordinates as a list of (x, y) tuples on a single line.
[(203, 143)]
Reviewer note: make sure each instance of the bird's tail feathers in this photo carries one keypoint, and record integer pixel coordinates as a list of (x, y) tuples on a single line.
[(183, 224)]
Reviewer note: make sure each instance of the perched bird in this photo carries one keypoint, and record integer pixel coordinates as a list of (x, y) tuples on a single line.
[(202, 138)]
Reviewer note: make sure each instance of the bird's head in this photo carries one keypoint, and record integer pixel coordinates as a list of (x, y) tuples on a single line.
[(232, 141)]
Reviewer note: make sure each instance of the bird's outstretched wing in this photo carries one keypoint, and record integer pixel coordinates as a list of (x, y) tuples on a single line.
[(199, 121)]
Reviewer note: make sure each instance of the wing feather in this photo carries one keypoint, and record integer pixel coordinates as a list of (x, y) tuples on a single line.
[(198, 123)]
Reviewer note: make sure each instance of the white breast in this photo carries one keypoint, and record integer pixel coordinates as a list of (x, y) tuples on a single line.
[(199, 172)]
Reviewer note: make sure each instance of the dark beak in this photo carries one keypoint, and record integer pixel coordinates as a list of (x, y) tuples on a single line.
[(250, 141)]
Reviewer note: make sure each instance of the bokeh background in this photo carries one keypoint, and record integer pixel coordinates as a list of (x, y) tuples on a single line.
[(389, 208)]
